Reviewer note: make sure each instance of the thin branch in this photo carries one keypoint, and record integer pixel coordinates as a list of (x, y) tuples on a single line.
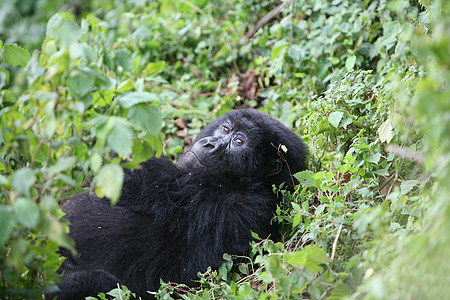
[(335, 241), (318, 218), (267, 18)]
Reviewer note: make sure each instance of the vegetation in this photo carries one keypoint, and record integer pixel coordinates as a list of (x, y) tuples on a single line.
[(365, 83)]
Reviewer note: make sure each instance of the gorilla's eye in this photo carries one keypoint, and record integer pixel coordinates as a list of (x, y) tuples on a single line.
[(239, 141), (226, 129)]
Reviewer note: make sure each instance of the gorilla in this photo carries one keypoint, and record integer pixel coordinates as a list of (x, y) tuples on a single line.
[(173, 221)]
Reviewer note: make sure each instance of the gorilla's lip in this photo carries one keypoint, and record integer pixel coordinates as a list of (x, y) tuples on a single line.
[(197, 161)]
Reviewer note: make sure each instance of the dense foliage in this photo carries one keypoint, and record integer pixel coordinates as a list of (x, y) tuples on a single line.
[(365, 83)]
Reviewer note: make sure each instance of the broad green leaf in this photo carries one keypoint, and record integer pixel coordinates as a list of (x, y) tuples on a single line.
[(407, 186), (63, 31), (34, 69), (374, 158), (278, 50), (15, 55), (296, 52), (335, 118), (142, 151), (27, 212), (350, 63), (130, 99), (311, 257), (22, 180), (120, 139), (386, 131), (305, 178), (109, 181), (95, 162), (146, 117), (64, 163), (341, 291), (80, 83), (55, 230), (297, 220), (7, 221), (124, 59), (154, 67)]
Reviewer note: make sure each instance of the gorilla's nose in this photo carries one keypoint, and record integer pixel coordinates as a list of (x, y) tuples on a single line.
[(209, 143)]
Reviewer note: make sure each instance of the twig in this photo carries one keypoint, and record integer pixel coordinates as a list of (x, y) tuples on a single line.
[(285, 161), (267, 18), (120, 294), (318, 218), (335, 241)]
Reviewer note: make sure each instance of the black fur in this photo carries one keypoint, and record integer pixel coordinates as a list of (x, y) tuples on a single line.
[(173, 221)]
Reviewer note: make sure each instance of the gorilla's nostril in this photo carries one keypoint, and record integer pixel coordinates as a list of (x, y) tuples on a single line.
[(209, 146)]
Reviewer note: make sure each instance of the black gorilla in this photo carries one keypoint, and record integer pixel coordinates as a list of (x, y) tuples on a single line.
[(173, 221)]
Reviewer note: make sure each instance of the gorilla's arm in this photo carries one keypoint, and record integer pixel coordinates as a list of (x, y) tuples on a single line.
[(82, 283)]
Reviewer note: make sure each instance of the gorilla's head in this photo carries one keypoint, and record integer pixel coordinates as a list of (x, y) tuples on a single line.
[(250, 144)]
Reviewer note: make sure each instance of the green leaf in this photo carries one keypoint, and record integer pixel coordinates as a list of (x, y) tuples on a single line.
[(64, 163), (305, 178), (95, 162), (311, 257), (335, 118), (146, 117), (386, 131), (109, 181), (7, 221), (407, 186), (63, 31), (154, 67), (350, 63), (120, 139), (142, 151), (341, 291), (27, 212), (15, 55), (374, 158), (22, 180), (297, 220), (80, 83), (124, 59), (130, 99)]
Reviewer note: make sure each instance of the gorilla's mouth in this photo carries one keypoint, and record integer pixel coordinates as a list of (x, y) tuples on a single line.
[(193, 160)]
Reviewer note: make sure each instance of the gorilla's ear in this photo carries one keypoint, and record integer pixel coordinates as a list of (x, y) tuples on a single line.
[(275, 166)]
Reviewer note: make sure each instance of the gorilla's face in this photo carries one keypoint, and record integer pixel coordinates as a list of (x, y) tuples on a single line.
[(228, 145), (247, 143)]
